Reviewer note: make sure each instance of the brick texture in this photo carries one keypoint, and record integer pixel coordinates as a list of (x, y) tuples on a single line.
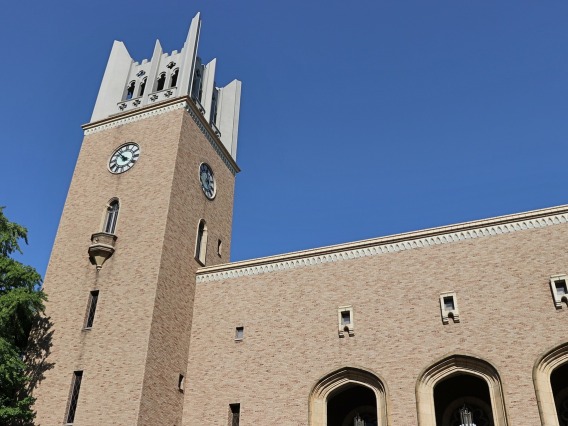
[(139, 341)]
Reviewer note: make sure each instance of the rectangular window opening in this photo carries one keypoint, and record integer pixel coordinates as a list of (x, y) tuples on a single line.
[(449, 303), (561, 288), (239, 333), (74, 396), (219, 247), (345, 318), (92, 307), (234, 414), (181, 382)]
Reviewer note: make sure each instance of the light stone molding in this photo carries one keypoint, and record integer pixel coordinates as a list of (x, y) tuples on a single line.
[(455, 365), (448, 313), (542, 371), (344, 378), (558, 288), (162, 108), (391, 244)]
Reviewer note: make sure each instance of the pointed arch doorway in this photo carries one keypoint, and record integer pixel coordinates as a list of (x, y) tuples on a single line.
[(348, 397)]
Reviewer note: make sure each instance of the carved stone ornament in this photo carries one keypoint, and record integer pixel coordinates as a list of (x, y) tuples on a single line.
[(122, 106), (101, 248), (153, 97)]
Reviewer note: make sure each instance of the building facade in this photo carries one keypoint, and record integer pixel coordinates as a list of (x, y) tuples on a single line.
[(152, 325)]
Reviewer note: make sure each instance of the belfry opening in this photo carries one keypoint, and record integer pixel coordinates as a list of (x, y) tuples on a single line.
[(352, 405), (463, 400)]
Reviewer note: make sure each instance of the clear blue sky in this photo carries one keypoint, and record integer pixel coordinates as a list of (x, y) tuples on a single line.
[(358, 119)]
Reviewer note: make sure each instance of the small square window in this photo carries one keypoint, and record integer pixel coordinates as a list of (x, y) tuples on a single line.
[(559, 290), (449, 307), (239, 333), (345, 321), (561, 287), (449, 303)]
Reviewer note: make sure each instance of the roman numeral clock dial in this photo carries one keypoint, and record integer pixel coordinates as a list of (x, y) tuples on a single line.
[(124, 158), (207, 180)]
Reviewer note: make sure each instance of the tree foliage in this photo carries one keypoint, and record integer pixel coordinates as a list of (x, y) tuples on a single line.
[(21, 304)]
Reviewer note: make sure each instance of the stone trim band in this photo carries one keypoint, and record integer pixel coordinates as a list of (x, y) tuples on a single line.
[(390, 244), (162, 108)]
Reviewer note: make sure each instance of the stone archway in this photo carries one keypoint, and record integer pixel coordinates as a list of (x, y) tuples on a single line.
[(549, 395), (451, 369), (339, 384)]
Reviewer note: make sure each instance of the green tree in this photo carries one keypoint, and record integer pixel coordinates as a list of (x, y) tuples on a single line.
[(21, 305)]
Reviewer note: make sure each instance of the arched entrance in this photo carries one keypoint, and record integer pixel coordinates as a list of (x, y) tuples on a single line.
[(348, 397), (459, 395), (551, 386), (559, 383), (352, 405), (460, 389)]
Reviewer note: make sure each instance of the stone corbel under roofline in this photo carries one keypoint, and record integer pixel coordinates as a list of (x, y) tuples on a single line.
[(161, 108), (389, 244)]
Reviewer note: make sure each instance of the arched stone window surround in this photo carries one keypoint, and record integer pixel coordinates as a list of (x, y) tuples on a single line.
[(107, 216), (174, 77), (454, 365), (336, 381), (130, 88), (543, 368), (201, 242)]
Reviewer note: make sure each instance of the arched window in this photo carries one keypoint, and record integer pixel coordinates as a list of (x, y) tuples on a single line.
[(161, 81), (111, 216), (142, 86), (463, 389), (201, 242), (130, 90), (174, 78), (349, 396), (550, 375)]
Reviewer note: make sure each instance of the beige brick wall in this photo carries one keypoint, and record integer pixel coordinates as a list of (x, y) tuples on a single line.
[(141, 330), (290, 317)]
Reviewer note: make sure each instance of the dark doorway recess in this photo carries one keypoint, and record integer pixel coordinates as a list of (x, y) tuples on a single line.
[(559, 382), (459, 392), (352, 405)]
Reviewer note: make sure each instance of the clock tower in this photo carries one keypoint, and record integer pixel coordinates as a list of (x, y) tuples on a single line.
[(150, 202)]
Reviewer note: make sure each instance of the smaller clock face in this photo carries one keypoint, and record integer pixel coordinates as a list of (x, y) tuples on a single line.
[(207, 180), (124, 158)]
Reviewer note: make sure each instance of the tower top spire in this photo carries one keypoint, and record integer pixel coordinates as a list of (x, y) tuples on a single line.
[(128, 85)]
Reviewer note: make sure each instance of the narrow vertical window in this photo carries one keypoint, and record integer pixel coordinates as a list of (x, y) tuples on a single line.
[(181, 382), (219, 247), (234, 414), (130, 90), (174, 79), (142, 86), (161, 81), (213, 116), (73, 396), (111, 216), (91, 308), (196, 89), (201, 243), (239, 333)]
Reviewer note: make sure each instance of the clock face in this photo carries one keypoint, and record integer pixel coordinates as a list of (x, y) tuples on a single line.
[(124, 158), (207, 180)]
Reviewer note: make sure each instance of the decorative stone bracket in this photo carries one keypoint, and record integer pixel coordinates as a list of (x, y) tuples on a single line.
[(102, 247)]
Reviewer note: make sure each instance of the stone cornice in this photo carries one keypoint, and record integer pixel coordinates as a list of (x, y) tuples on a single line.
[(390, 244), (162, 108)]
